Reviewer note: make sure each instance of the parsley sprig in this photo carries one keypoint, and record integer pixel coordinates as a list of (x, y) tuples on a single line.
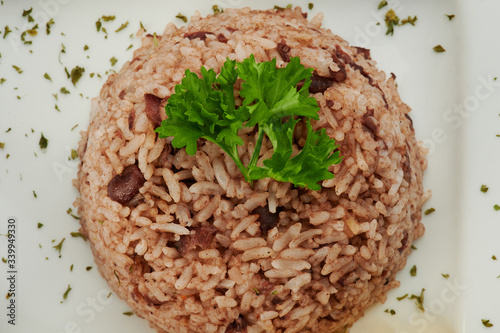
[(204, 107)]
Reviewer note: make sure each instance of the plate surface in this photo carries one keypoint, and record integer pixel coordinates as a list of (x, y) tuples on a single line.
[(455, 100)]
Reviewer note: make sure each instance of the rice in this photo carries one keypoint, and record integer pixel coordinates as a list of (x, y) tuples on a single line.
[(192, 247)]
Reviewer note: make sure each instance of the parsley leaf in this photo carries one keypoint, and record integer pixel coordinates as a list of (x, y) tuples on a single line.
[(205, 108)]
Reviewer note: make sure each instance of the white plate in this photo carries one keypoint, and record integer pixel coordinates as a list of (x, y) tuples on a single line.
[(455, 111)]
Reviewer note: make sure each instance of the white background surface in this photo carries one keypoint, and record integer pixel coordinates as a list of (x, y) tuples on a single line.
[(456, 107)]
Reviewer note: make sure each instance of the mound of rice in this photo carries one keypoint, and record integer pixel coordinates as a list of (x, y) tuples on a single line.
[(192, 247)]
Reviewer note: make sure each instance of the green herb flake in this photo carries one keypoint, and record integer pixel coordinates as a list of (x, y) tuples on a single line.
[(47, 76), (68, 75), (43, 142), (48, 25), (34, 194), (57, 108), (419, 300), (123, 26), (256, 291), (391, 20), (98, 25), (72, 128), (450, 17), (6, 31), (182, 17), (113, 61), (71, 268), (59, 246), (85, 47), (27, 12), (486, 323), (2, 145), (413, 247), (493, 257), (88, 268), (402, 297), (496, 207), (271, 103), (74, 154), (409, 20), (66, 293), (275, 292), (128, 313), (216, 9), (2, 80), (382, 4), (108, 18), (39, 225), (142, 26), (310, 5), (117, 277), (430, 211), (129, 47), (63, 90), (18, 69), (484, 188), (392, 312), (155, 40), (76, 74), (70, 212), (131, 269), (438, 49), (413, 271), (77, 234), (4, 260), (446, 276)]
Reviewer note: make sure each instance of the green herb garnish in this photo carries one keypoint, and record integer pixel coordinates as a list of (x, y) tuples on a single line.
[(493, 257), (43, 142), (382, 4), (446, 276), (413, 247), (129, 313), (123, 26), (419, 300), (113, 61), (117, 277), (48, 25), (410, 20), (438, 49), (205, 108), (74, 154), (391, 311), (217, 10), (18, 69), (2, 145), (450, 17), (413, 271), (6, 31), (496, 207), (391, 20), (63, 90), (310, 5), (77, 234), (70, 212), (430, 211), (76, 74), (484, 188), (39, 225), (47, 76), (108, 18), (58, 247), (182, 17), (402, 297), (65, 295), (88, 268), (2, 80), (34, 194), (486, 323), (98, 25)]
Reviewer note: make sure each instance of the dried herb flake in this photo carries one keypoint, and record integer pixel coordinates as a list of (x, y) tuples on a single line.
[(59, 246), (310, 5), (76, 74), (77, 234), (413, 271), (129, 313), (484, 188), (113, 61), (430, 211), (382, 4), (390, 311), (486, 323), (47, 76), (123, 26), (63, 90), (438, 49), (18, 69), (450, 17), (39, 225), (66, 293), (446, 276), (48, 25), (182, 17), (108, 18), (6, 31), (43, 142), (419, 300)]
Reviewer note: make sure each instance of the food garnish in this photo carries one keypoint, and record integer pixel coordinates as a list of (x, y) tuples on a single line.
[(438, 49), (486, 323), (43, 142), (205, 108), (484, 188), (430, 211)]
